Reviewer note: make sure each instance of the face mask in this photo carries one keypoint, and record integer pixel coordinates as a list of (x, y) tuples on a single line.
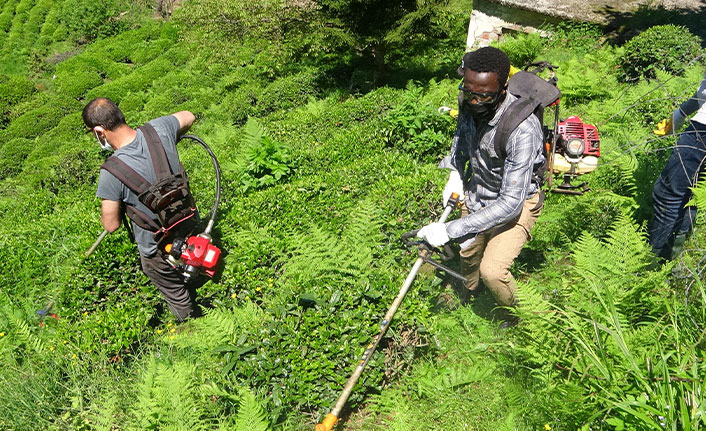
[(484, 111), (104, 144)]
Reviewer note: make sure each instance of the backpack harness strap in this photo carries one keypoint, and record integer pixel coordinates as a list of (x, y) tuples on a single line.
[(157, 153), (135, 182), (515, 114), (534, 94), (138, 184)]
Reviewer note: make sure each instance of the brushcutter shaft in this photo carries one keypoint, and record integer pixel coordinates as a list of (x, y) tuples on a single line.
[(331, 419), (45, 311), (95, 244)]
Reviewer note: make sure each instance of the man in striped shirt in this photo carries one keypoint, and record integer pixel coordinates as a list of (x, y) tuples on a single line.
[(501, 194)]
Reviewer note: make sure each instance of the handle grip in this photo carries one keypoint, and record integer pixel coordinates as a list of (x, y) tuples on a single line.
[(407, 235), (446, 253)]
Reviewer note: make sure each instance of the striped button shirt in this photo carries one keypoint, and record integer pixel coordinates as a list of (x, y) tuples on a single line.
[(495, 189)]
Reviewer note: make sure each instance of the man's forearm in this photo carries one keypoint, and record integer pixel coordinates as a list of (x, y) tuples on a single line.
[(689, 106), (504, 209)]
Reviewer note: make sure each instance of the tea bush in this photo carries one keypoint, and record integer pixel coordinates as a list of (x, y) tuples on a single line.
[(288, 92), (13, 90), (239, 104), (12, 155), (37, 121), (140, 80), (47, 29), (664, 47), (8, 11), (76, 83), (88, 20)]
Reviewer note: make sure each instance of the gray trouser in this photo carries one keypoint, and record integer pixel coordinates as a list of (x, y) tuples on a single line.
[(170, 283)]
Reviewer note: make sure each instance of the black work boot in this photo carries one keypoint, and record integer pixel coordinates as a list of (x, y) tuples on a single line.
[(510, 322), (508, 317)]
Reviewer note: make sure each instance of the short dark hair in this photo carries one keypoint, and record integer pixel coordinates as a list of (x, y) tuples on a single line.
[(102, 112), (487, 59)]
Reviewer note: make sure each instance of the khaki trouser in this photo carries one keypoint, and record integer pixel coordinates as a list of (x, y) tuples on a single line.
[(490, 256)]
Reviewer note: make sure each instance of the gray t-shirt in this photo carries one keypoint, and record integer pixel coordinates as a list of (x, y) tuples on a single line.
[(137, 155)]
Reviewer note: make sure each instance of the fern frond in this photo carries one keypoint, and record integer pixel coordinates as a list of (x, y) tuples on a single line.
[(328, 259), (588, 255), (146, 411), (222, 326), (104, 412), (627, 246), (434, 381), (250, 414), (168, 398), (253, 131), (22, 332), (699, 195)]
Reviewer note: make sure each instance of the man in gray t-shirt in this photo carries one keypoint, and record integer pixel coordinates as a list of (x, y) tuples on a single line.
[(107, 122)]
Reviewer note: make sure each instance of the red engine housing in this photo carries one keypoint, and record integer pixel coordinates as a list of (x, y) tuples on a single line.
[(573, 127), (200, 253)]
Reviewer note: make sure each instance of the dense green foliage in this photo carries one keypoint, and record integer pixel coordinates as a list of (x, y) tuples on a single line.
[(417, 128), (319, 181), (521, 49), (664, 47)]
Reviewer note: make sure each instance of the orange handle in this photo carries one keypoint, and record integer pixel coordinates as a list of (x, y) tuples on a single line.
[(327, 424)]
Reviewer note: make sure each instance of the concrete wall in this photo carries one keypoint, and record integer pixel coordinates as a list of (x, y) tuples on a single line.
[(621, 19)]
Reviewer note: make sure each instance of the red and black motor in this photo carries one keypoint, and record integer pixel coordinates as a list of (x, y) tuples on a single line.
[(197, 254), (193, 255), (574, 153)]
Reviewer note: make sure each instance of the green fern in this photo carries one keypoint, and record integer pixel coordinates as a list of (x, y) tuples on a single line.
[(168, 398), (222, 326), (147, 410), (104, 413), (22, 332), (436, 381), (699, 195), (263, 161), (586, 332), (250, 414), (328, 259)]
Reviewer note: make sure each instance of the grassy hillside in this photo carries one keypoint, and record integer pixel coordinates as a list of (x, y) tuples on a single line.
[(321, 175)]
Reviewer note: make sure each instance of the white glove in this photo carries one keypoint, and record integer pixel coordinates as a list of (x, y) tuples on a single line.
[(434, 233), (453, 185)]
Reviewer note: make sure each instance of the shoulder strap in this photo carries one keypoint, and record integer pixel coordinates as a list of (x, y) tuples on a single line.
[(157, 153), (533, 93), (135, 182), (515, 114), (126, 175)]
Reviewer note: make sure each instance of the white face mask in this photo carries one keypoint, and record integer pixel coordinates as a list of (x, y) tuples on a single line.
[(104, 144)]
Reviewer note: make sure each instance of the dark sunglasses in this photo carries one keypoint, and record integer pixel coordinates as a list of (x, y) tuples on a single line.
[(480, 97)]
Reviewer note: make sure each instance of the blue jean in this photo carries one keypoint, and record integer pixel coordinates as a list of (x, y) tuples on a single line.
[(671, 190)]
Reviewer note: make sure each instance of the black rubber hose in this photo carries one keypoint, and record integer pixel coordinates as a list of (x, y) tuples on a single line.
[(217, 167)]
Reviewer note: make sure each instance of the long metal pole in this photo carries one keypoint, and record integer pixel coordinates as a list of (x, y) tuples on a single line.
[(331, 419), (95, 244)]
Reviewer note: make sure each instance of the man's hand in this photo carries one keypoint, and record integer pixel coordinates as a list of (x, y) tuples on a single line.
[(434, 233), (453, 185), (664, 127)]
